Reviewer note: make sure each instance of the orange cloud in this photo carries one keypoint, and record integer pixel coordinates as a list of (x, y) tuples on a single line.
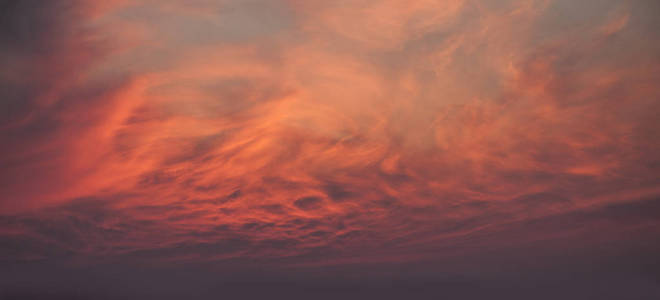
[(331, 132)]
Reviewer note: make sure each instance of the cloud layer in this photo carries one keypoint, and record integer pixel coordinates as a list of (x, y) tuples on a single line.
[(326, 133)]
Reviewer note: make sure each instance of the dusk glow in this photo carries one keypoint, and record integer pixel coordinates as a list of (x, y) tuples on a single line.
[(295, 149)]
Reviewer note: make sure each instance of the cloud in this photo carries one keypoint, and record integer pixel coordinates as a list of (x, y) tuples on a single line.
[(311, 134), (308, 203)]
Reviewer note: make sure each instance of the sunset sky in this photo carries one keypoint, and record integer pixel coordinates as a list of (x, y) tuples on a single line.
[(339, 149)]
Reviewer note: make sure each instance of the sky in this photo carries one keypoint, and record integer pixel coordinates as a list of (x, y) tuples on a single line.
[(288, 149)]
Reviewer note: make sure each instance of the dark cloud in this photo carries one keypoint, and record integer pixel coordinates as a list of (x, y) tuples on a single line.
[(625, 214), (274, 208), (337, 192), (308, 203), (34, 36)]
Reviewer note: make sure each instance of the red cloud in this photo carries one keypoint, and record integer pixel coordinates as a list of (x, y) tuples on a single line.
[(376, 131)]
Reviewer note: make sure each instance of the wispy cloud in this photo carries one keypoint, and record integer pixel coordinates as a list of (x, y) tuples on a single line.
[(324, 132)]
